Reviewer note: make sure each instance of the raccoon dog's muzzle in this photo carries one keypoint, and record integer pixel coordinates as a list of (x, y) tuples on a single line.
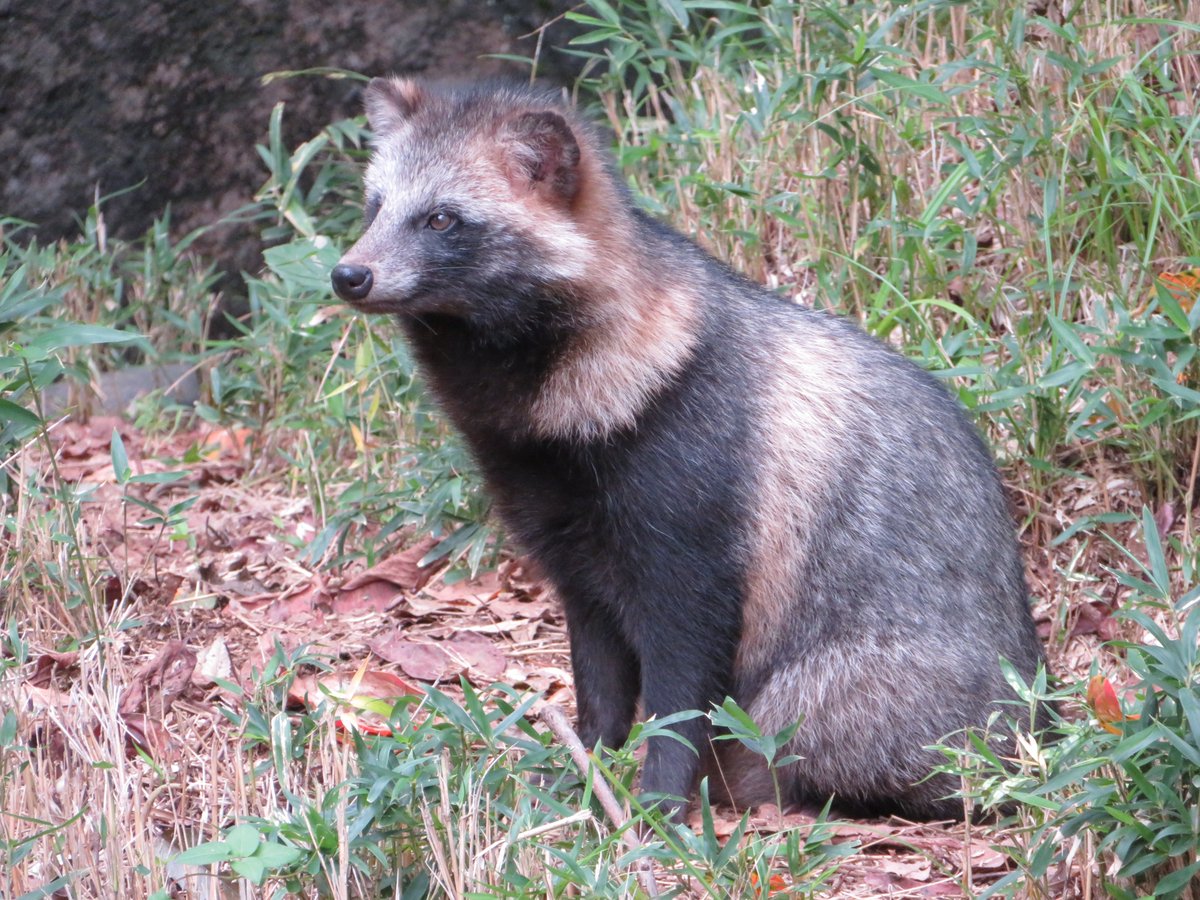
[(352, 283)]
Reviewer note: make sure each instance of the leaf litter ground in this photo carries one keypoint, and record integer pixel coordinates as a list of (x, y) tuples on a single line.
[(191, 620)]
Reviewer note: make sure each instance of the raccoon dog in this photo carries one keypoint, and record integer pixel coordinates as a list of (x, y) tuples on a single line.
[(733, 495)]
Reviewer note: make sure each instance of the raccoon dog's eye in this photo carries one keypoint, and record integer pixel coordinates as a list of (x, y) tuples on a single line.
[(441, 221), (371, 209)]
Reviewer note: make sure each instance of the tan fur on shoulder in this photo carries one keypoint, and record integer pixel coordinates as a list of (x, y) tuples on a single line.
[(803, 425), (634, 334), (613, 369)]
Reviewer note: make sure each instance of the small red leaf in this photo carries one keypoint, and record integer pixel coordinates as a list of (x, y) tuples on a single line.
[(1102, 698)]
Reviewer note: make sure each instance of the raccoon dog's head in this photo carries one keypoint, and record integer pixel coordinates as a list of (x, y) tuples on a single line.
[(472, 198)]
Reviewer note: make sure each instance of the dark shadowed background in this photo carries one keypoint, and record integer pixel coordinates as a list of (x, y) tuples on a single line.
[(109, 94)]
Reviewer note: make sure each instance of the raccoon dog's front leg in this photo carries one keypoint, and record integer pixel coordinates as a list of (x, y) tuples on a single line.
[(673, 665), (607, 676), (686, 653)]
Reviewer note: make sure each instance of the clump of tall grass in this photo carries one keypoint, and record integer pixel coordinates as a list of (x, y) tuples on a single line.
[(995, 189)]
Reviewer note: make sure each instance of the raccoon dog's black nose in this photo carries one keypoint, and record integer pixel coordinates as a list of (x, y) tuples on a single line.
[(352, 282)]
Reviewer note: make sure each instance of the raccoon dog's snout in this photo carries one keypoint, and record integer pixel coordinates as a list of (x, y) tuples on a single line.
[(352, 283)]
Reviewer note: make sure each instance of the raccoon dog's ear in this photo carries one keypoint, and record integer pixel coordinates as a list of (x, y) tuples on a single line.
[(390, 102), (542, 150)]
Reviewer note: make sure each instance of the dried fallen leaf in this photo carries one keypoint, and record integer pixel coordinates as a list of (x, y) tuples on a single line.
[(506, 627), (944, 888), (226, 442), (149, 736), (985, 856), (1164, 518), (540, 682), (909, 868), (401, 570), (1094, 618), (112, 591), (370, 598), (540, 609), (477, 653), (213, 663), (301, 604), (51, 662), (441, 660), (159, 682), (955, 290), (364, 699), (765, 819), (1183, 286), (150, 695), (427, 606), (423, 660), (33, 699), (775, 884)]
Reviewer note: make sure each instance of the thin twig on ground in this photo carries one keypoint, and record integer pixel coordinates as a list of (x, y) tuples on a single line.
[(560, 726)]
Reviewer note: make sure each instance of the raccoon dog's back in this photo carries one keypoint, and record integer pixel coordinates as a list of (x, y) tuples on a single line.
[(733, 495)]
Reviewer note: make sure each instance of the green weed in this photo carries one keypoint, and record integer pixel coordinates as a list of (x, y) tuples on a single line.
[(1119, 785), (986, 187), (468, 798)]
